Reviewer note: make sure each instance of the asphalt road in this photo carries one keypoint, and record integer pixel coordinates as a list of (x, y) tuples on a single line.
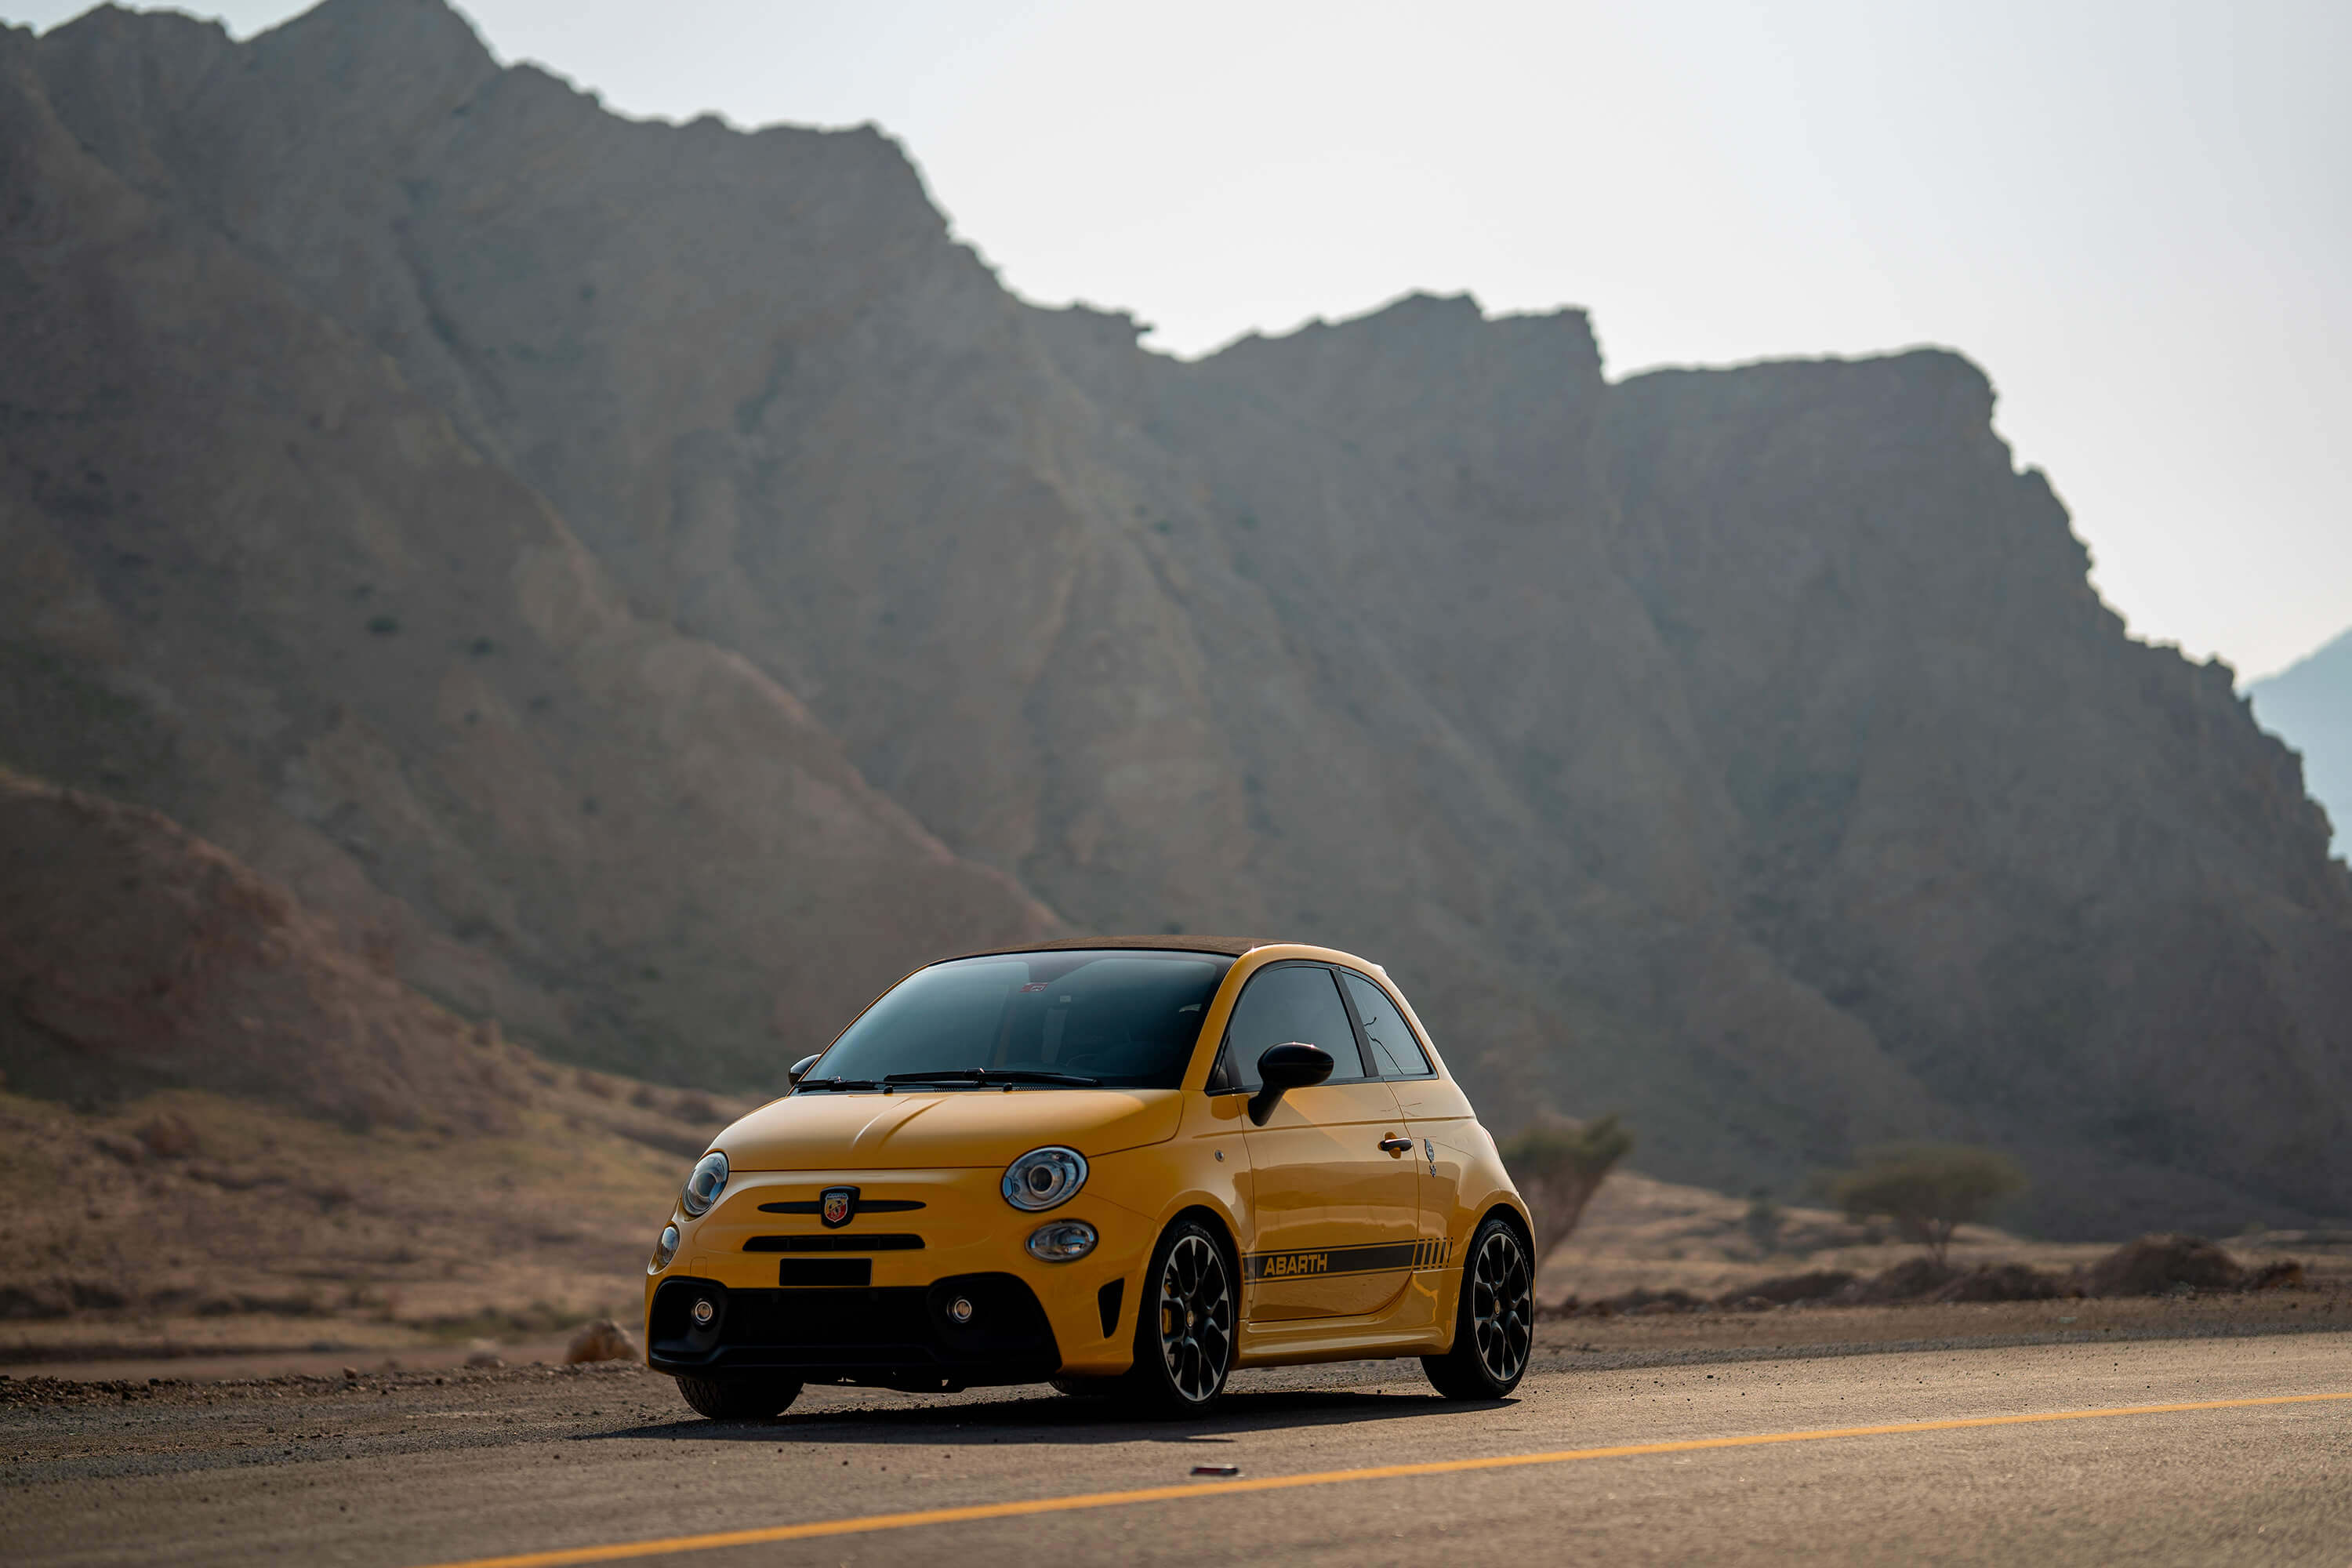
[(1841, 1459)]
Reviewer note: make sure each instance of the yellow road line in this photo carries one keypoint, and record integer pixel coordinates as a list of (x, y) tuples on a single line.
[(869, 1523)]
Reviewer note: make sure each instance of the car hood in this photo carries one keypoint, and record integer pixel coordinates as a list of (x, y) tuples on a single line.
[(829, 1131)]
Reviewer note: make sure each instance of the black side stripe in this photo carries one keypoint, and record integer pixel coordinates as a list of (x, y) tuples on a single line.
[(1377, 1258)]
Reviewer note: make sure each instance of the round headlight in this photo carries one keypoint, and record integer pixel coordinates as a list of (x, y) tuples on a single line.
[(1045, 1178), (1063, 1241), (703, 1187), (663, 1250)]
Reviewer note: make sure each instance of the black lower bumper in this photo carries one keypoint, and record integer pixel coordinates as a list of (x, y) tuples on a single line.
[(892, 1337)]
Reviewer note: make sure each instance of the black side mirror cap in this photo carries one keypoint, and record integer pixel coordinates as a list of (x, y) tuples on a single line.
[(800, 1069), (1281, 1069)]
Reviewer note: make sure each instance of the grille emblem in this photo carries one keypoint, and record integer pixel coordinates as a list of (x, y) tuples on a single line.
[(840, 1206)]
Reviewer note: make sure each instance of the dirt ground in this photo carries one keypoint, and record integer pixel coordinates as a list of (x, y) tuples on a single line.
[(2322, 1304), (274, 1244), (1657, 1236), (44, 1412), (253, 1230)]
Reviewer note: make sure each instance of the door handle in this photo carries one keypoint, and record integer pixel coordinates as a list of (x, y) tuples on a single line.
[(1394, 1145)]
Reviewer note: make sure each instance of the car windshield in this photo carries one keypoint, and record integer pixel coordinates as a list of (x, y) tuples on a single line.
[(1116, 1018)]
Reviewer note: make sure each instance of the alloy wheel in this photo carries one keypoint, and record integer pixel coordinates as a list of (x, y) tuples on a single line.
[(1196, 1317), (1502, 1305)]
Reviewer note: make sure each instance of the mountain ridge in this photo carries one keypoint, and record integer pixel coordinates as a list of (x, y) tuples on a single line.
[(1743, 748), (2309, 706)]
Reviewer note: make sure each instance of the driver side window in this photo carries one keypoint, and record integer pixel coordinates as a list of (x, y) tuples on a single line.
[(1285, 1003)]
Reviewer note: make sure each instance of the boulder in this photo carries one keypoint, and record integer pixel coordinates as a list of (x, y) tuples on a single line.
[(602, 1340)]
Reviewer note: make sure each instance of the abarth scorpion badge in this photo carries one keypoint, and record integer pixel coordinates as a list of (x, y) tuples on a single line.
[(840, 1206)]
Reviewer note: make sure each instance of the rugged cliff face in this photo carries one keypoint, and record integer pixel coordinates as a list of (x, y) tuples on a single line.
[(260, 582), (775, 602)]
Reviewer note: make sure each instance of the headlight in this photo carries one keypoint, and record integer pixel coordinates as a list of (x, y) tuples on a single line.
[(1045, 1178), (663, 1250), (1063, 1241), (703, 1187)]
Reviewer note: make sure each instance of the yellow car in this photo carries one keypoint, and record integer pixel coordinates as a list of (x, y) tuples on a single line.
[(1125, 1166)]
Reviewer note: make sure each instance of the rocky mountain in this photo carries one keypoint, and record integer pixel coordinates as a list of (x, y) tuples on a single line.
[(261, 582), (2309, 706), (134, 957), (652, 585), (251, 1118)]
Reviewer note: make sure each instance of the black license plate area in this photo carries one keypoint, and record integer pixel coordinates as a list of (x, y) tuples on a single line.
[(851, 1273)]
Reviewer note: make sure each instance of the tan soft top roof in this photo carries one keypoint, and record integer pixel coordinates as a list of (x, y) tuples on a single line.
[(1231, 946)]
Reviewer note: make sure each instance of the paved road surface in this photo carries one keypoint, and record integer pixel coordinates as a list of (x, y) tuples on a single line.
[(550, 1463)]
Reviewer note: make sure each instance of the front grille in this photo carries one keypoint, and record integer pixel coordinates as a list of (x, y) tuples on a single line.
[(879, 1242), (865, 1206)]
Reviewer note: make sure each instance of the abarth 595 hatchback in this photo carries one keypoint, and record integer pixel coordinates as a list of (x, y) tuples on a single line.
[(1125, 1166)]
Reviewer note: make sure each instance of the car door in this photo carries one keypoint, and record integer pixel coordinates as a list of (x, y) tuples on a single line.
[(1334, 1213), (1437, 1116)]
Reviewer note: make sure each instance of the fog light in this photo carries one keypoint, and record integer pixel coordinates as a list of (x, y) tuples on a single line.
[(705, 1311), (960, 1309), (663, 1250), (1063, 1241)]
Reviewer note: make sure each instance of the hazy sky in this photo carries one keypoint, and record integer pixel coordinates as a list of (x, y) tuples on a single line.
[(2137, 217)]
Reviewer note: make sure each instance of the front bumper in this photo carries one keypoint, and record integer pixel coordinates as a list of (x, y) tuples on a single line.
[(868, 1302), (891, 1336)]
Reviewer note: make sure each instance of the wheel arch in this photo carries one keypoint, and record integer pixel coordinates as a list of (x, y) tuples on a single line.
[(1219, 1226), (1516, 1219)]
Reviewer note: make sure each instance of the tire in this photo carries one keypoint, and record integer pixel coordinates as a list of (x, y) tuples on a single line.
[(749, 1397), (1184, 1341), (1494, 1326)]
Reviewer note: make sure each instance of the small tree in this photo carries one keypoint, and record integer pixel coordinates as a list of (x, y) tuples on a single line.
[(1559, 1166), (1928, 1189)]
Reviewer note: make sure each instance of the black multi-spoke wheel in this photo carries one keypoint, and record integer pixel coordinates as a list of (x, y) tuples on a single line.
[(1185, 1349), (1494, 1327)]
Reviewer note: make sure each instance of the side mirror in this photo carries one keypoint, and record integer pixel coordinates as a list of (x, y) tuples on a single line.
[(800, 1069), (1284, 1068)]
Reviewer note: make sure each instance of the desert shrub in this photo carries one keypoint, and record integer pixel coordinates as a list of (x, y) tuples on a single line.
[(1558, 1166), (28, 1300), (1906, 1281), (1782, 1289), (2002, 1282), (1929, 1189), (2153, 1264)]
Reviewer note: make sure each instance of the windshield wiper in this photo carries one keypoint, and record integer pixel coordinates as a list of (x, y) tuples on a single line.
[(978, 1078), (865, 1083)]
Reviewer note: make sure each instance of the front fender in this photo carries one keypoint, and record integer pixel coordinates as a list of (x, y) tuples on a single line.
[(1205, 1169)]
